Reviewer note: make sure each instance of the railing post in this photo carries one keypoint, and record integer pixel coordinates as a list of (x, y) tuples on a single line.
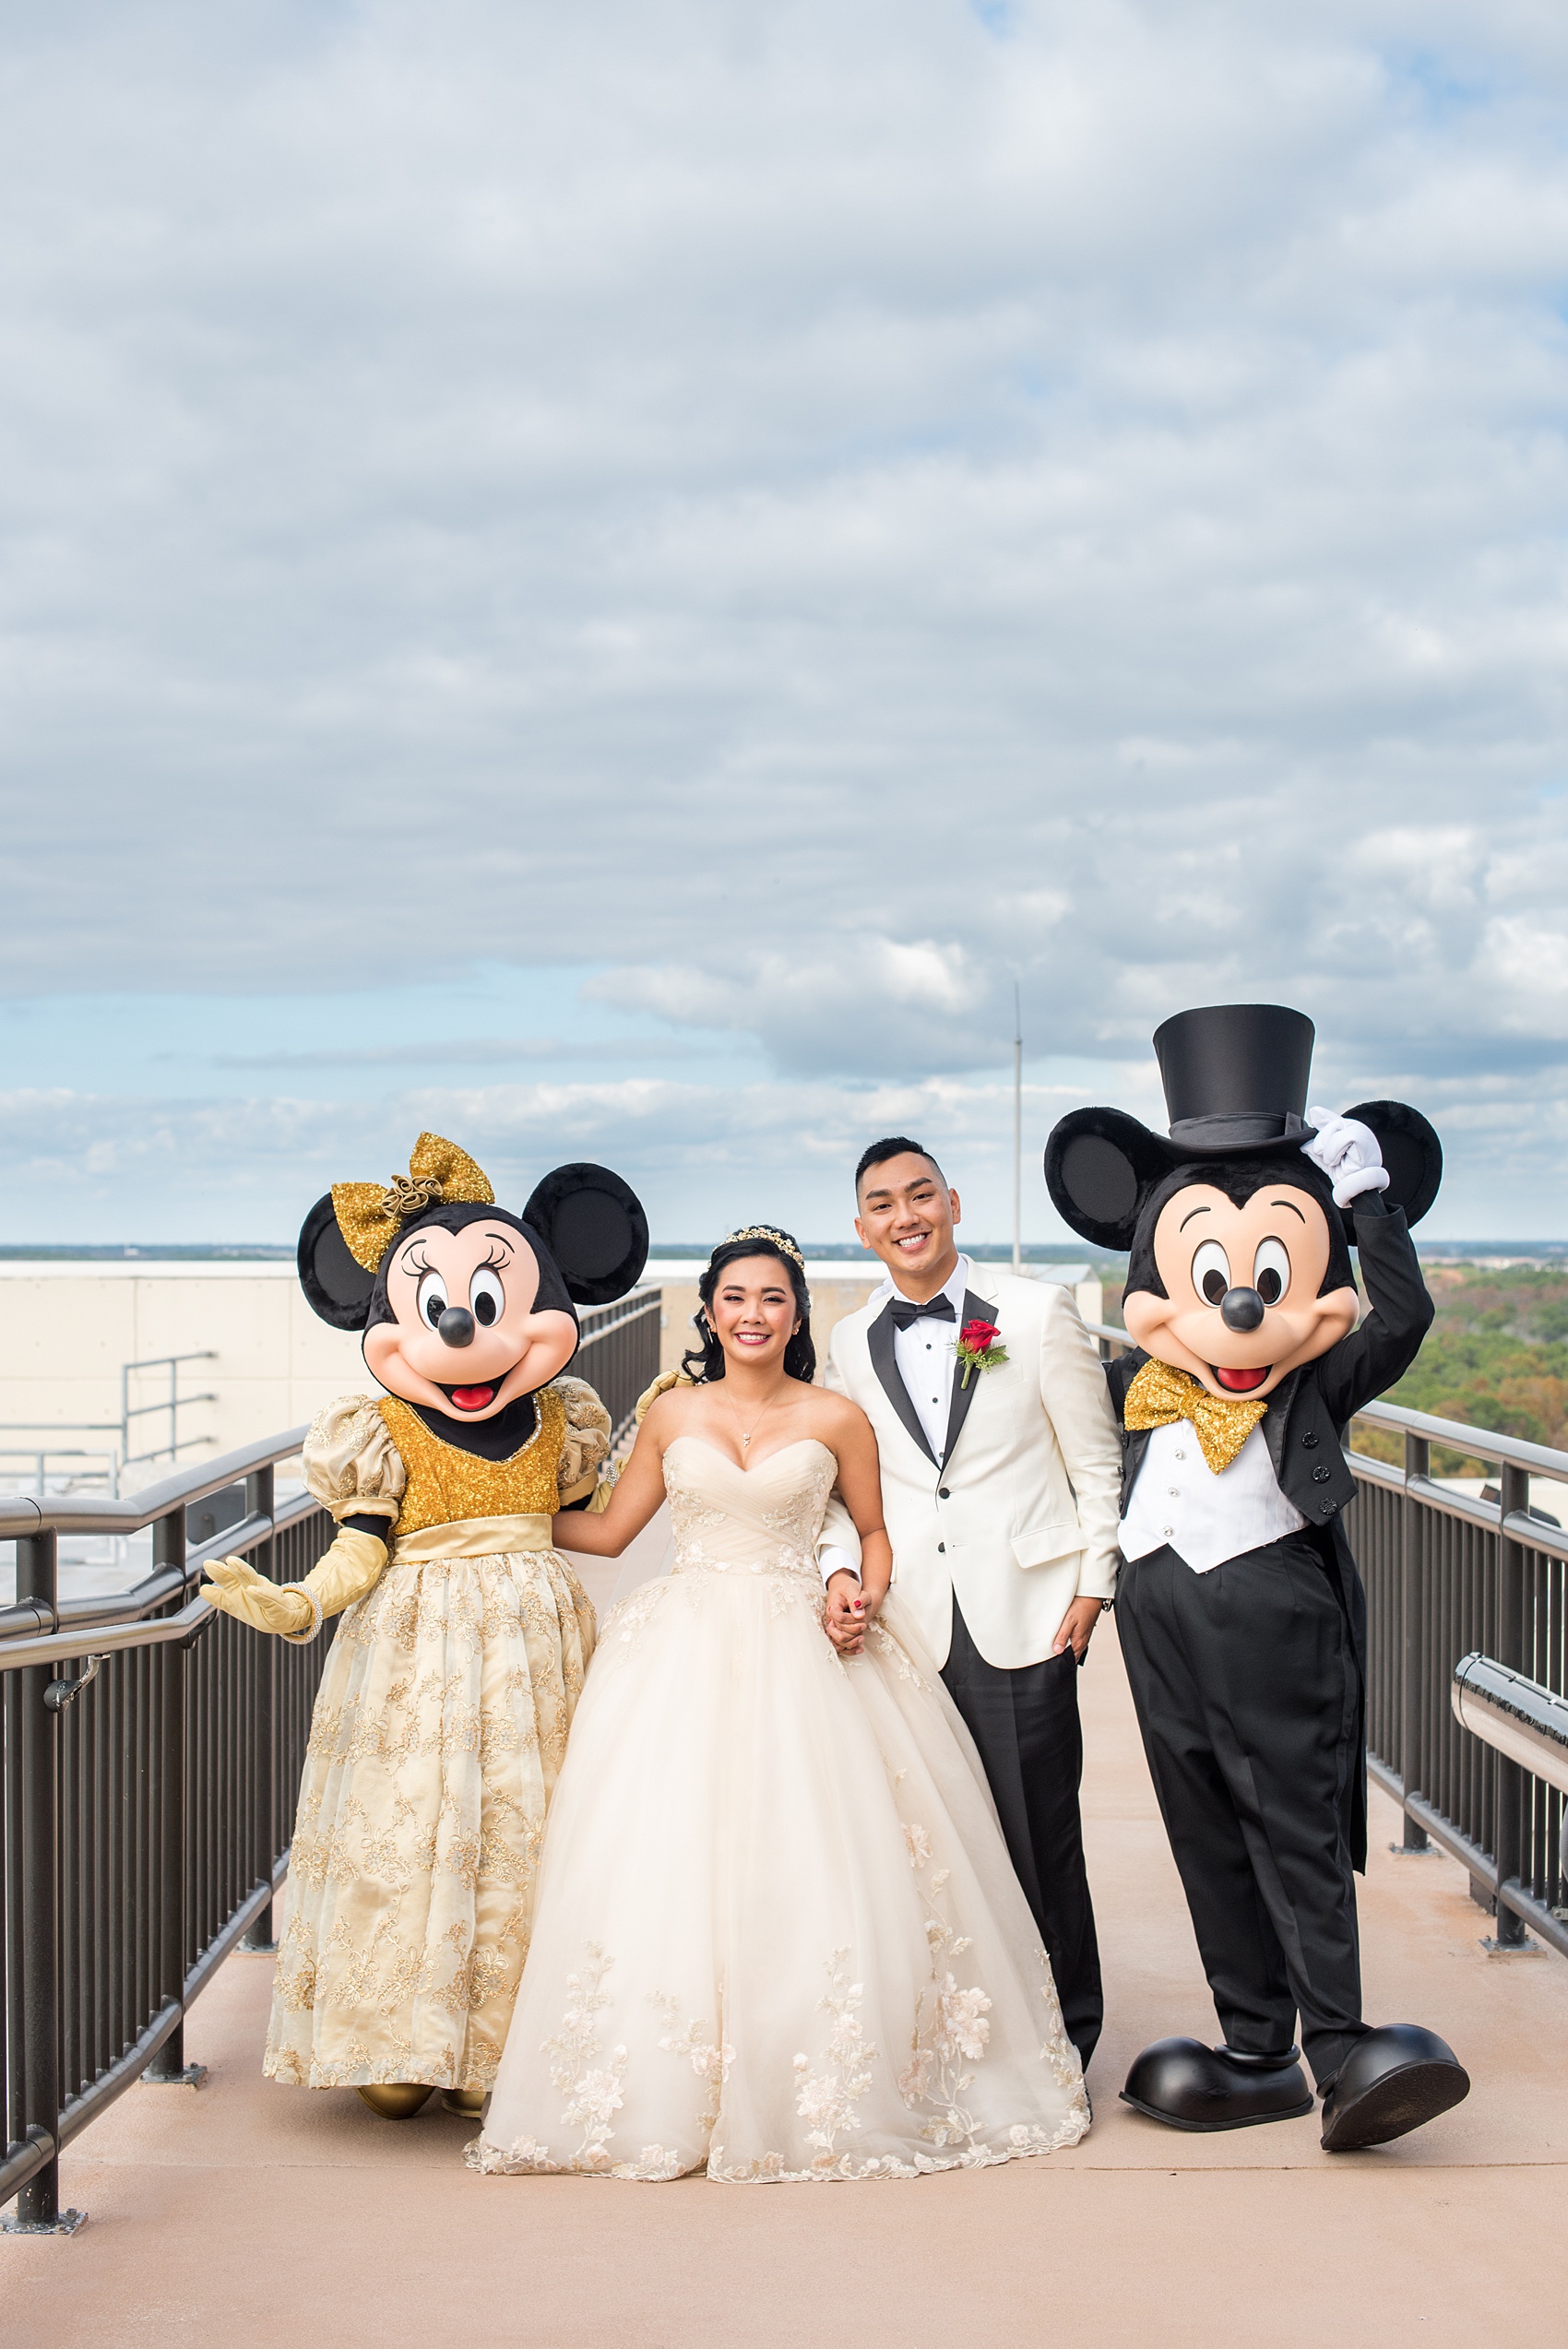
[(37, 1749), (1507, 1839), (1412, 1627), (258, 1504), (169, 2065)]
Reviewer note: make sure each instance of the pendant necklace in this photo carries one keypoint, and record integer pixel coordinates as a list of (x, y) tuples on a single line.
[(745, 1439)]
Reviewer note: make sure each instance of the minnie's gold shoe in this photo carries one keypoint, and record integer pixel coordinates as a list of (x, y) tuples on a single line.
[(469, 2103), (398, 2100)]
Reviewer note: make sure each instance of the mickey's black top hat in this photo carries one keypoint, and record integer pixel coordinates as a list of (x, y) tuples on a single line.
[(1235, 1078)]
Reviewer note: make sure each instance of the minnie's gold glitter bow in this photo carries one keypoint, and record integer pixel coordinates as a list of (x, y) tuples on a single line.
[(1159, 1395), (370, 1215)]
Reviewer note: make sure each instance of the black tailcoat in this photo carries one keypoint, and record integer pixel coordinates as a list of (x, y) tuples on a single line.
[(1308, 1417)]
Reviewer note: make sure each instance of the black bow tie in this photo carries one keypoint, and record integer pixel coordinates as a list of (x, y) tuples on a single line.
[(905, 1314)]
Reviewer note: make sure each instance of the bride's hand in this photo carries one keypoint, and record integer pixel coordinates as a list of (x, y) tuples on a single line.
[(845, 1617)]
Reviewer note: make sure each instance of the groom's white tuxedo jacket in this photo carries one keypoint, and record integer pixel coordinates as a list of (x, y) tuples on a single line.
[(1019, 1514)]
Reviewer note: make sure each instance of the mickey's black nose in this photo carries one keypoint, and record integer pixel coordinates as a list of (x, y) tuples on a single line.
[(1240, 1308), (455, 1326)]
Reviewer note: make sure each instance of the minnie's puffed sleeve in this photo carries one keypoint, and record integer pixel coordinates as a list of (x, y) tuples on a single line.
[(352, 1468), (350, 1462), (585, 1445)]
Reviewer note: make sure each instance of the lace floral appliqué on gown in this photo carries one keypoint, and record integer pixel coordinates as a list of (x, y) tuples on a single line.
[(778, 1936), (439, 1732)]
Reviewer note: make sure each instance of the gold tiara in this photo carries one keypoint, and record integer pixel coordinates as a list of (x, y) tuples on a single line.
[(766, 1232)]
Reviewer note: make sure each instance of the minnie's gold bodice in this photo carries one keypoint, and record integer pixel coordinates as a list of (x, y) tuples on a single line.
[(446, 1485)]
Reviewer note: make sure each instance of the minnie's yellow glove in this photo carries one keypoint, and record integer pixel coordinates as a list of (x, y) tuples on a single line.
[(295, 1610)]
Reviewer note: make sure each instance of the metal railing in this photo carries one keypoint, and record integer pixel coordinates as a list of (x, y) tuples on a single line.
[(151, 1755), (1448, 1575), (63, 1467), (619, 1354), (174, 1403), (151, 1751)]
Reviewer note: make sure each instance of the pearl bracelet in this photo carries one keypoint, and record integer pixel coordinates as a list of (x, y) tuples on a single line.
[(303, 1638)]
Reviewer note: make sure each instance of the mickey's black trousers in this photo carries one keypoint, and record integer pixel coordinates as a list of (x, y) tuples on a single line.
[(1248, 1697), (1025, 1726)]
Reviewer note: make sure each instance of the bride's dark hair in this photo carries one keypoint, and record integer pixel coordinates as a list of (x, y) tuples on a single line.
[(705, 1360)]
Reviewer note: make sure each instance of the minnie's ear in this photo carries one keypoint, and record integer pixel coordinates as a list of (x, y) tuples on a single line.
[(594, 1226), (336, 1286), (1411, 1152), (1099, 1165)]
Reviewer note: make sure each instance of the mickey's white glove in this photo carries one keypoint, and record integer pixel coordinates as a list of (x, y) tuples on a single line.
[(1349, 1153)]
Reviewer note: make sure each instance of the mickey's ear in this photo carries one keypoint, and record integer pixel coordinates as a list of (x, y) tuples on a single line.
[(1099, 1164), (594, 1226), (1411, 1152), (336, 1286)]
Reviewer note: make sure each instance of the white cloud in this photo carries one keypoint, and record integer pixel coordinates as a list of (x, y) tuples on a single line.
[(830, 1003), (812, 508)]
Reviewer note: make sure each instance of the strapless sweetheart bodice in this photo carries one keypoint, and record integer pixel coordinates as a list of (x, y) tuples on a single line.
[(764, 1520)]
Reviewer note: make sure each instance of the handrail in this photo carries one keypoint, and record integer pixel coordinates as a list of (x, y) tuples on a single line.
[(21, 1516), (82, 1625), (606, 1318), (1522, 1719), (64, 1647)]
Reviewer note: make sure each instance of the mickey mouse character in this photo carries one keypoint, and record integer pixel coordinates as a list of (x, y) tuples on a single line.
[(442, 1717), (1242, 1615)]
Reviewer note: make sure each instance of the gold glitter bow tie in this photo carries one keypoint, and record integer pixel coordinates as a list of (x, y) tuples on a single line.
[(1159, 1395), (370, 1215)]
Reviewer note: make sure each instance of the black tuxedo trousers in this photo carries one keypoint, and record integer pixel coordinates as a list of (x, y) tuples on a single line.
[(1025, 1726), (1248, 1695)]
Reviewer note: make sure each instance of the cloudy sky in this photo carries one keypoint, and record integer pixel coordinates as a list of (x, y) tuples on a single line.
[(602, 579)]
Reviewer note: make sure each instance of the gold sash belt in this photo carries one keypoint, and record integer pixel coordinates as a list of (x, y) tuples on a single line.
[(473, 1537)]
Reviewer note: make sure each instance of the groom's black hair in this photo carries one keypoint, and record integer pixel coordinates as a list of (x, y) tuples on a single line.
[(895, 1146)]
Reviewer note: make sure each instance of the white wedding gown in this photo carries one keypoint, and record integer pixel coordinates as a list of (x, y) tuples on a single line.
[(777, 1934)]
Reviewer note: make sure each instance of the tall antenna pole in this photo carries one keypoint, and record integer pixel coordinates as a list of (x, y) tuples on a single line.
[(1017, 1131)]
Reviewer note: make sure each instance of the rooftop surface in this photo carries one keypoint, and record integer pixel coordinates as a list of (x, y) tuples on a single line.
[(248, 2213)]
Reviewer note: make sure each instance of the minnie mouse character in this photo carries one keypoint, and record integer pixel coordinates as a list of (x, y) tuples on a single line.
[(442, 1717), (1242, 1617)]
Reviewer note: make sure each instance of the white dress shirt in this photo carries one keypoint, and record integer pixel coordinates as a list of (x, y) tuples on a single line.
[(926, 1361), (1206, 1519)]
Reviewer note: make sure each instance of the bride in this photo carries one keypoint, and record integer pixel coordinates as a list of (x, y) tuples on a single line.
[(777, 1934)]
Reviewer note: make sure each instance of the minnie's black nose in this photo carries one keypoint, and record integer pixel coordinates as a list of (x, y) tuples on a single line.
[(455, 1326), (1240, 1308)]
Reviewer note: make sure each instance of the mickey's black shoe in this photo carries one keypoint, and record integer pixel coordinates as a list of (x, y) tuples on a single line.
[(1187, 2085), (1391, 2082)]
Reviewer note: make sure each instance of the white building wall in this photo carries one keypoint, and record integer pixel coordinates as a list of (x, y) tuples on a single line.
[(66, 1329)]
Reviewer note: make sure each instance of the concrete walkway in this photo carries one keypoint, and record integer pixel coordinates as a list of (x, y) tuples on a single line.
[(248, 2214)]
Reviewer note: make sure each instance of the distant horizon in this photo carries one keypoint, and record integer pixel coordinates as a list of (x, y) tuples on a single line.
[(830, 1251)]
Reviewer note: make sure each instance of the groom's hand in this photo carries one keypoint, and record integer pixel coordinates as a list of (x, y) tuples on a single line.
[(1077, 1627)]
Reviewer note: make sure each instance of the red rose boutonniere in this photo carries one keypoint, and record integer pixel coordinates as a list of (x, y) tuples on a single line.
[(976, 1347)]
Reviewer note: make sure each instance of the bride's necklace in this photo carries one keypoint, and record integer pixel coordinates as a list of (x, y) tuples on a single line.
[(744, 1436)]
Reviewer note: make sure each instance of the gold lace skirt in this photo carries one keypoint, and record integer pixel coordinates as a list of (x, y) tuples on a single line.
[(438, 1733)]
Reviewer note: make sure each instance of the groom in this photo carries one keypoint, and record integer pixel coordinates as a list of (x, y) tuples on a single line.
[(1002, 1495)]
